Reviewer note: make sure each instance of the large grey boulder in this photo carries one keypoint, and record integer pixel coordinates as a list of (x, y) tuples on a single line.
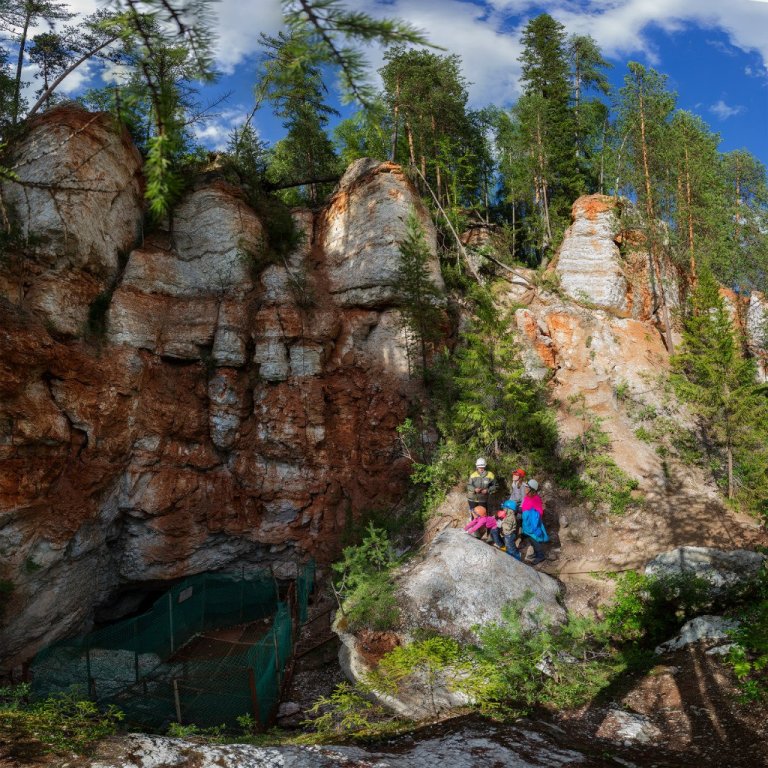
[(457, 585), (461, 583), (721, 569)]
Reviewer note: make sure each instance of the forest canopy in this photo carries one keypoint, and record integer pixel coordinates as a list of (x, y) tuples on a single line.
[(516, 167)]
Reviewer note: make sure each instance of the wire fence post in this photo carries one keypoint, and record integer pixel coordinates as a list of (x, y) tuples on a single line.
[(170, 620)]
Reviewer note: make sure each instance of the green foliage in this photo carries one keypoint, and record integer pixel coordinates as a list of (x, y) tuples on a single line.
[(60, 725), (517, 668), (333, 34), (365, 585), (588, 470), (348, 709), (418, 295), (650, 609), (432, 131), (719, 384), (212, 735), (492, 404), (749, 656)]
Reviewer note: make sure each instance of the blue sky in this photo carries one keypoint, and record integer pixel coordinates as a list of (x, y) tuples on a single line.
[(715, 52)]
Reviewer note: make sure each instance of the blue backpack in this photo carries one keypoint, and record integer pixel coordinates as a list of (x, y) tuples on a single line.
[(533, 526)]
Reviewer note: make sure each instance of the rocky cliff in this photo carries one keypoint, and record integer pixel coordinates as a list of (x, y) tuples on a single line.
[(173, 402)]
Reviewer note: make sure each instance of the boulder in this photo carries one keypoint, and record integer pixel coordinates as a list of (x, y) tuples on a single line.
[(628, 727), (457, 585), (461, 583), (721, 569), (710, 628)]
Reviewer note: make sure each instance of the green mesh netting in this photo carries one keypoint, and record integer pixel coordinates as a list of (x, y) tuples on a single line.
[(142, 666)]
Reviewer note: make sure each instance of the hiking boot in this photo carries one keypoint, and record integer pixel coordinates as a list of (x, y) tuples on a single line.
[(537, 560)]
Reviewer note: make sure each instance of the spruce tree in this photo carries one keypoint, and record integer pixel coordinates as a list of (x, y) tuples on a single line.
[(547, 129), (418, 296), (720, 384)]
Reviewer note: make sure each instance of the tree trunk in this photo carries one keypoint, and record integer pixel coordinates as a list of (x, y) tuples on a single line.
[(651, 216), (396, 121), (55, 84), (411, 150), (689, 198), (543, 183), (731, 490), (20, 65)]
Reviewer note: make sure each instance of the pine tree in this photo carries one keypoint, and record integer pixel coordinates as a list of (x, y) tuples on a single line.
[(419, 297), (365, 134), (720, 384), (495, 406), (745, 265), (18, 17), (700, 213), (432, 131), (645, 107), (292, 82)]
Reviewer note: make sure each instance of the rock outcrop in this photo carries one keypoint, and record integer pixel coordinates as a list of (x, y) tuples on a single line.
[(77, 211), (722, 569), (237, 410), (712, 629), (456, 585), (461, 583)]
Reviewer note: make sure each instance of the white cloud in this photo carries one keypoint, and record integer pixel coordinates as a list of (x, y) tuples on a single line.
[(723, 111), (214, 132), (487, 36)]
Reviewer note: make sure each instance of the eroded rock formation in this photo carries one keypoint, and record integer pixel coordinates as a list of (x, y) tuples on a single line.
[(233, 412)]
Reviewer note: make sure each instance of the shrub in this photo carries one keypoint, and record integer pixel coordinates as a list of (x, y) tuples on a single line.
[(427, 660), (749, 657), (364, 584), (347, 709), (649, 609), (60, 724), (516, 669)]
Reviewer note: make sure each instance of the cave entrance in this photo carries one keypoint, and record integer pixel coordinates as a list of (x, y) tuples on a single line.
[(211, 649)]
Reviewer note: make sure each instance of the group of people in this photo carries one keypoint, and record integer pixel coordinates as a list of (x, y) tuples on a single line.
[(521, 516)]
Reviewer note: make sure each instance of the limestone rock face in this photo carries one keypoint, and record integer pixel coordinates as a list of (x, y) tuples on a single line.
[(757, 331), (593, 270), (364, 225), (589, 263), (234, 414), (713, 629), (78, 202)]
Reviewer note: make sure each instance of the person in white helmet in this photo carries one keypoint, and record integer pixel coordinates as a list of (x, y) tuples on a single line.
[(480, 487)]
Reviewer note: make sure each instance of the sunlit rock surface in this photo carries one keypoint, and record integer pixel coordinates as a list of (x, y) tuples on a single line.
[(236, 411)]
